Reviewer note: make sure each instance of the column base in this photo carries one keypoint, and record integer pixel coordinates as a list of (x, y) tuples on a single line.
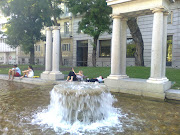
[(157, 80), (46, 72), (165, 79), (57, 75), (45, 75), (117, 77), (138, 87)]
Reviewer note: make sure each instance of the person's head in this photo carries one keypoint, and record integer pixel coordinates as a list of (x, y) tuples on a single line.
[(30, 67), (101, 77), (80, 71), (15, 66)]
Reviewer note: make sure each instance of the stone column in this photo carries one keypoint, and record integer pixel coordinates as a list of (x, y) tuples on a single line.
[(48, 55), (123, 48), (55, 73), (118, 48), (157, 46), (56, 50), (164, 47)]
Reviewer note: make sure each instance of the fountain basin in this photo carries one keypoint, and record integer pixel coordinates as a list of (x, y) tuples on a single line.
[(83, 102)]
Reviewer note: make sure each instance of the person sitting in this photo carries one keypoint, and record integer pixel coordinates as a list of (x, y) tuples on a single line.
[(73, 76), (98, 79), (15, 71), (28, 73)]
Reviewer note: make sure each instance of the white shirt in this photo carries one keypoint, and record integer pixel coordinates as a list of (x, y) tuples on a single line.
[(79, 77), (99, 79), (31, 73)]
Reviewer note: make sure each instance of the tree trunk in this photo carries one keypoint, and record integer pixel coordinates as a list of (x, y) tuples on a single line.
[(137, 37), (31, 61), (94, 52)]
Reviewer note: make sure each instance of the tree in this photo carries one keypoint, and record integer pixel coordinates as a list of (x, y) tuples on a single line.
[(28, 17), (25, 24), (137, 37), (95, 19)]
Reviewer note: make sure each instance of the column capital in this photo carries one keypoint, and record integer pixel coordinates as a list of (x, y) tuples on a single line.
[(48, 29), (166, 13), (116, 16), (56, 27), (124, 19), (158, 9)]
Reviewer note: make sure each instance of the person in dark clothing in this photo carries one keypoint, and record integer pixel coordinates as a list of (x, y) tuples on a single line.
[(72, 76), (98, 79)]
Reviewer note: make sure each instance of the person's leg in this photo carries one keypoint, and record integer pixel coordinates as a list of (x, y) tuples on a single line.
[(13, 73), (71, 73), (71, 78), (24, 73), (68, 78), (27, 73), (93, 80), (9, 73)]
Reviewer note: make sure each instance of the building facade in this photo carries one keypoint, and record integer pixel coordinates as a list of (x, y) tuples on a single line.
[(76, 48), (82, 48), (66, 32)]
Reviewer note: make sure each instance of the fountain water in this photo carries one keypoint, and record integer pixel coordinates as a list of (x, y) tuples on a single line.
[(78, 107)]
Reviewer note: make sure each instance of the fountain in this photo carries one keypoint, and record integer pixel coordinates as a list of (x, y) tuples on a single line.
[(28, 109), (79, 106)]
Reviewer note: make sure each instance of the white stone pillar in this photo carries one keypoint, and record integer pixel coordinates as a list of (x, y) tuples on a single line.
[(48, 60), (123, 48), (55, 73), (157, 46), (56, 49), (118, 48), (164, 47)]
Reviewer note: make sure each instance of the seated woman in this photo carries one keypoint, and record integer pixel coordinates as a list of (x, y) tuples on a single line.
[(28, 73), (72, 76), (98, 79)]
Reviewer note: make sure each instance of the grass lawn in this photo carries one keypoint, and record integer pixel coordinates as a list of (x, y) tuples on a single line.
[(92, 72)]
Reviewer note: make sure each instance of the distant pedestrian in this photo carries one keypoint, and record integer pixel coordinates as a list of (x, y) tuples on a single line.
[(15, 71)]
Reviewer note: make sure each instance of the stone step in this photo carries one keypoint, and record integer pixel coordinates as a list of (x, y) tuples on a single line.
[(173, 94)]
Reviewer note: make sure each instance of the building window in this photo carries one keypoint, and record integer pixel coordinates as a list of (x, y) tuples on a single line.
[(66, 9), (169, 50), (66, 47), (2, 40), (170, 18), (65, 62), (37, 48), (66, 27), (23, 60), (104, 48), (131, 48)]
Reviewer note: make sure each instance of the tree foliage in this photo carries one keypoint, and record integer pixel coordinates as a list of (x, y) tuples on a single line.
[(28, 17), (95, 18)]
